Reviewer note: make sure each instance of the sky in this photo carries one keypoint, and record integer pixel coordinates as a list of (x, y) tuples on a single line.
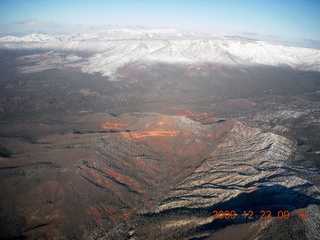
[(292, 21)]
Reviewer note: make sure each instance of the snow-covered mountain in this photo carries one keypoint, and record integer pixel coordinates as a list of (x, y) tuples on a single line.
[(110, 34), (114, 48)]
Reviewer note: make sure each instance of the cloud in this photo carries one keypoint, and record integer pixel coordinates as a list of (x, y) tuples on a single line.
[(142, 27), (312, 41), (37, 22), (273, 36), (250, 33)]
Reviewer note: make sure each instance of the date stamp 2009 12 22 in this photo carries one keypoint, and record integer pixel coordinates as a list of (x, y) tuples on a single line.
[(264, 214)]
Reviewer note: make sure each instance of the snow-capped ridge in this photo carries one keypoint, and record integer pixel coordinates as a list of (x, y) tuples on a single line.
[(109, 34), (113, 48)]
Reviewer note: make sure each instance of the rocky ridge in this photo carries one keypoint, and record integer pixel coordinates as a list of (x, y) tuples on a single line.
[(156, 164)]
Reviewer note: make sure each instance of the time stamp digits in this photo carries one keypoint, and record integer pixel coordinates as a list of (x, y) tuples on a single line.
[(263, 214)]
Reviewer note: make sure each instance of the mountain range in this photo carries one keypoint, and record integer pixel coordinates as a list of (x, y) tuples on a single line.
[(115, 48)]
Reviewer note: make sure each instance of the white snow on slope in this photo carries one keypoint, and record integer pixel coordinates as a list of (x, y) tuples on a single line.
[(112, 49)]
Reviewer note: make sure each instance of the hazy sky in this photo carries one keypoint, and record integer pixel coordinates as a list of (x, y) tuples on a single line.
[(282, 20)]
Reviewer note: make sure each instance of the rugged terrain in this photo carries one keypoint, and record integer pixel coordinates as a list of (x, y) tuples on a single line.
[(122, 144)]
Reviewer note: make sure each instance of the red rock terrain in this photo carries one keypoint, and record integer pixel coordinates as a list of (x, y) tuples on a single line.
[(143, 162), (101, 182)]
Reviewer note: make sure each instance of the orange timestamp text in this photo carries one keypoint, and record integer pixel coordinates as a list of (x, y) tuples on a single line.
[(263, 214)]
